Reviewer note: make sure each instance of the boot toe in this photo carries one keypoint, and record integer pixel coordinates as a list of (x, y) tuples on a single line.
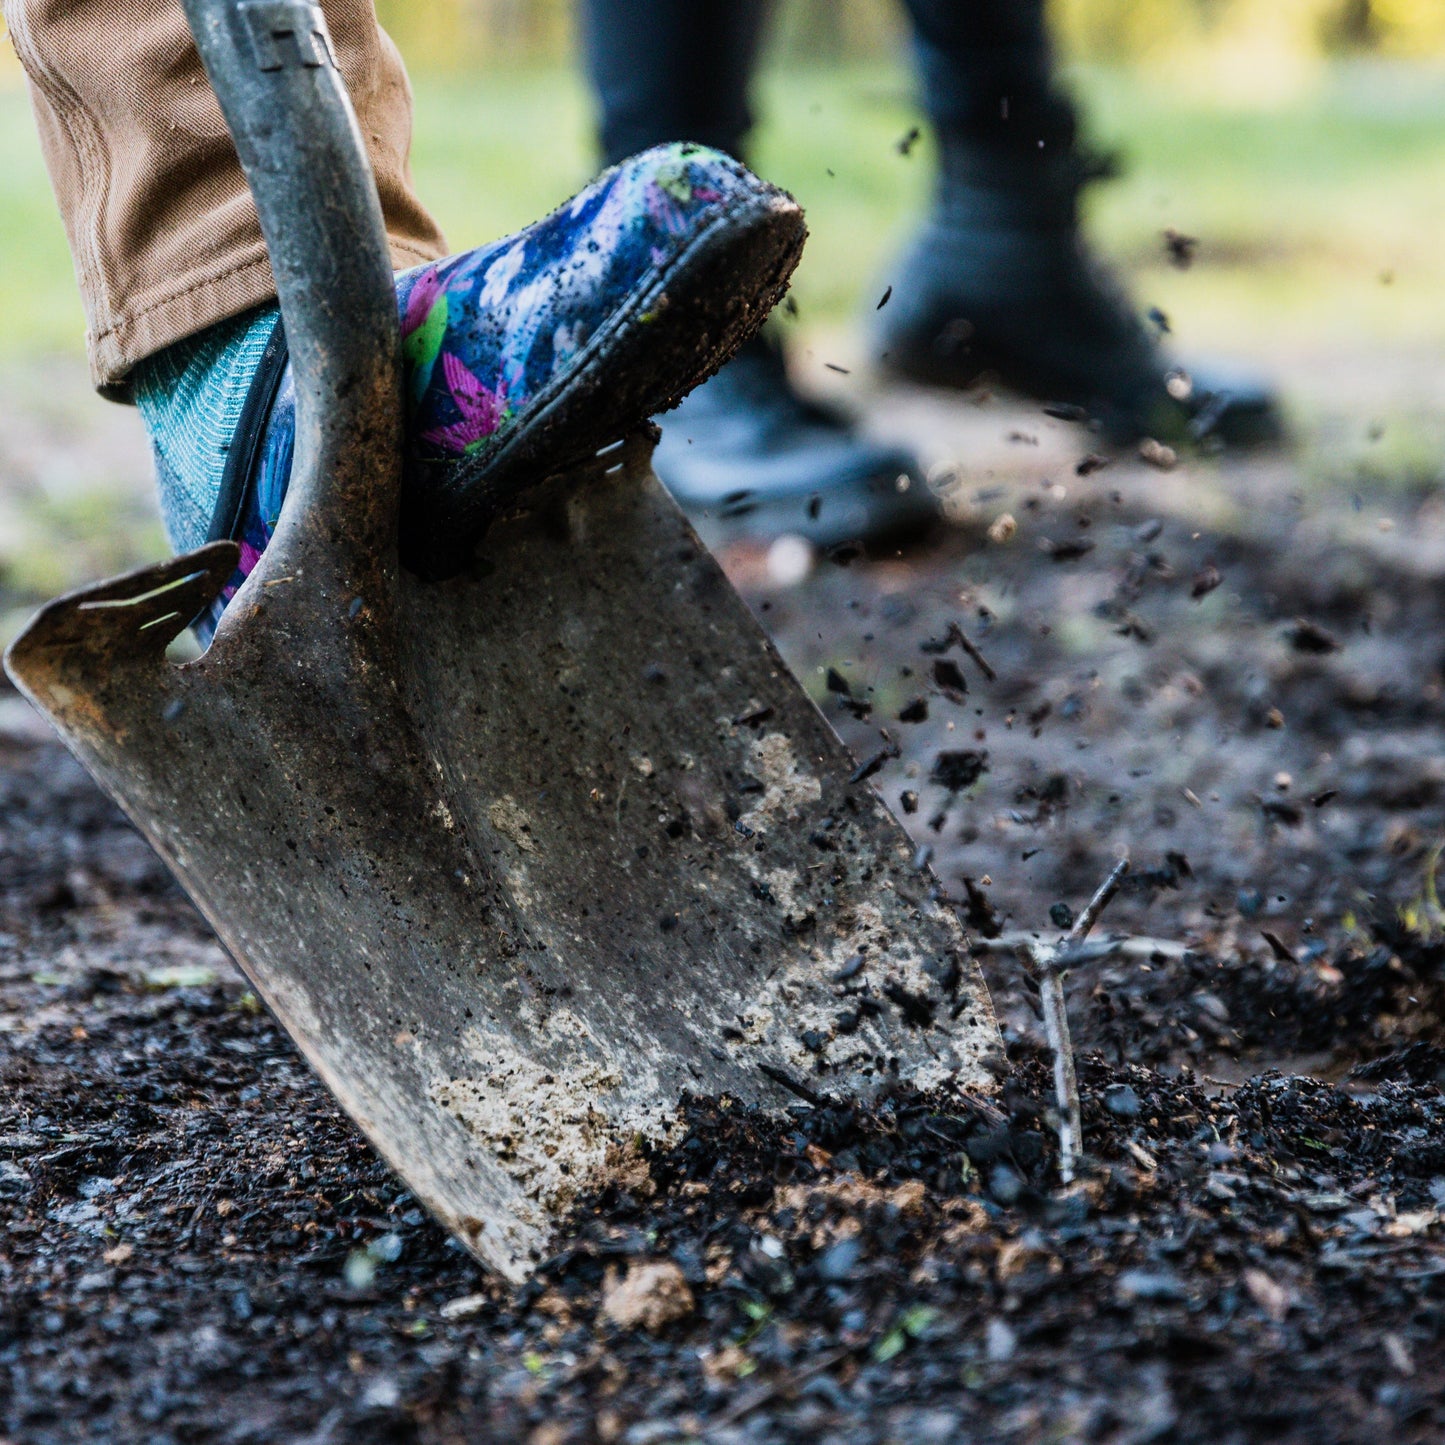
[(745, 456)]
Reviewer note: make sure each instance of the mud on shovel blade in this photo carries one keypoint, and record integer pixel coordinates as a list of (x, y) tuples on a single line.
[(518, 858)]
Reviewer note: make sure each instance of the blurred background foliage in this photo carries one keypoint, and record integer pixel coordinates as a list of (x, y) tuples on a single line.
[(1302, 140), (452, 34), (1134, 29)]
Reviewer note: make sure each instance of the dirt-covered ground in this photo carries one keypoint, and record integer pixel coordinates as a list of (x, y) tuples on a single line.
[(1232, 672)]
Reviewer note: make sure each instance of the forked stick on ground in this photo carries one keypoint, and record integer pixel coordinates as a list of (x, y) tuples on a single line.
[(1050, 961)]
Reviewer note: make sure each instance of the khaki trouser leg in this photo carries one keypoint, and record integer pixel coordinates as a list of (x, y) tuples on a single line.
[(161, 225)]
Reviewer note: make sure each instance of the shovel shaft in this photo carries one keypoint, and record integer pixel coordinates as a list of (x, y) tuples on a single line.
[(273, 69)]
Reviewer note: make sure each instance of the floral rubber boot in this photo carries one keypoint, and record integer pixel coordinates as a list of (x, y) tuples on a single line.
[(519, 359)]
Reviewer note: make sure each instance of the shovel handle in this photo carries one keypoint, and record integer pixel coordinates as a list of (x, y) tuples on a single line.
[(273, 68)]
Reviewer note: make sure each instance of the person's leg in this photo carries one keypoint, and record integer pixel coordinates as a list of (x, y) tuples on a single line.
[(745, 452), (999, 279), (651, 277), (985, 69)]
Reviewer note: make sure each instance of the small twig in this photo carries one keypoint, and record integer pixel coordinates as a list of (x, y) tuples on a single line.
[(1066, 1081), (1120, 945), (761, 1394), (1050, 960), (971, 648), (795, 1086), (1084, 923)]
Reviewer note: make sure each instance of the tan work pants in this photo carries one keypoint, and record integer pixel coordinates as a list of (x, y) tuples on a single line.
[(161, 226)]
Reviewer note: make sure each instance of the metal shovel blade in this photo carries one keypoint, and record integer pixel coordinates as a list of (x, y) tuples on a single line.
[(518, 858)]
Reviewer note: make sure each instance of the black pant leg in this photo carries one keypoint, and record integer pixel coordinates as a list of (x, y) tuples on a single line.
[(667, 70), (985, 69)]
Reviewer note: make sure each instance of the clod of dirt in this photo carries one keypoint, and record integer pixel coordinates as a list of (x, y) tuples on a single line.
[(1180, 248), (1158, 455), (1205, 581), (1310, 637), (651, 1295), (948, 678), (1069, 550), (959, 769)]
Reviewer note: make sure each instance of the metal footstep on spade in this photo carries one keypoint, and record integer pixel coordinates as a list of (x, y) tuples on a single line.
[(518, 858)]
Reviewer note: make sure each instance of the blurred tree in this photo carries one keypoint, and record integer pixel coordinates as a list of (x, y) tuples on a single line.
[(462, 34), (820, 28), (1128, 29), (1354, 27), (830, 31), (1411, 27)]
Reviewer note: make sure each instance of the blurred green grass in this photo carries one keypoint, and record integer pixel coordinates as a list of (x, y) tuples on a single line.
[(1321, 210)]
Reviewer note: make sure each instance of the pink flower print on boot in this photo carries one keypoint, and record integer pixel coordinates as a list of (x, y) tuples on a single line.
[(481, 410)]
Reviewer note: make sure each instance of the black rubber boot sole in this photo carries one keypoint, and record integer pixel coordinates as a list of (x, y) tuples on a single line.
[(667, 339)]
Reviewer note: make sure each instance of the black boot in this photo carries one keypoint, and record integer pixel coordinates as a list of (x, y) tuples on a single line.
[(998, 279), (747, 456)]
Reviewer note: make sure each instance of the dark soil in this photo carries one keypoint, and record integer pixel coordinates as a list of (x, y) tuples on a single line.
[(1238, 686), (196, 1246)]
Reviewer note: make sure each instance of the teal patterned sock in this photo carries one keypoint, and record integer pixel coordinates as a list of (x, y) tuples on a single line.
[(190, 397)]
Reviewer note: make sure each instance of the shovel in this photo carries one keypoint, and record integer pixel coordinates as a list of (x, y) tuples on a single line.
[(518, 858)]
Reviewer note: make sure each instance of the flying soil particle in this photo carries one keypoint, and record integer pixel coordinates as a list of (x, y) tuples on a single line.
[(949, 679), (1180, 248), (1205, 581), (960, 769)]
